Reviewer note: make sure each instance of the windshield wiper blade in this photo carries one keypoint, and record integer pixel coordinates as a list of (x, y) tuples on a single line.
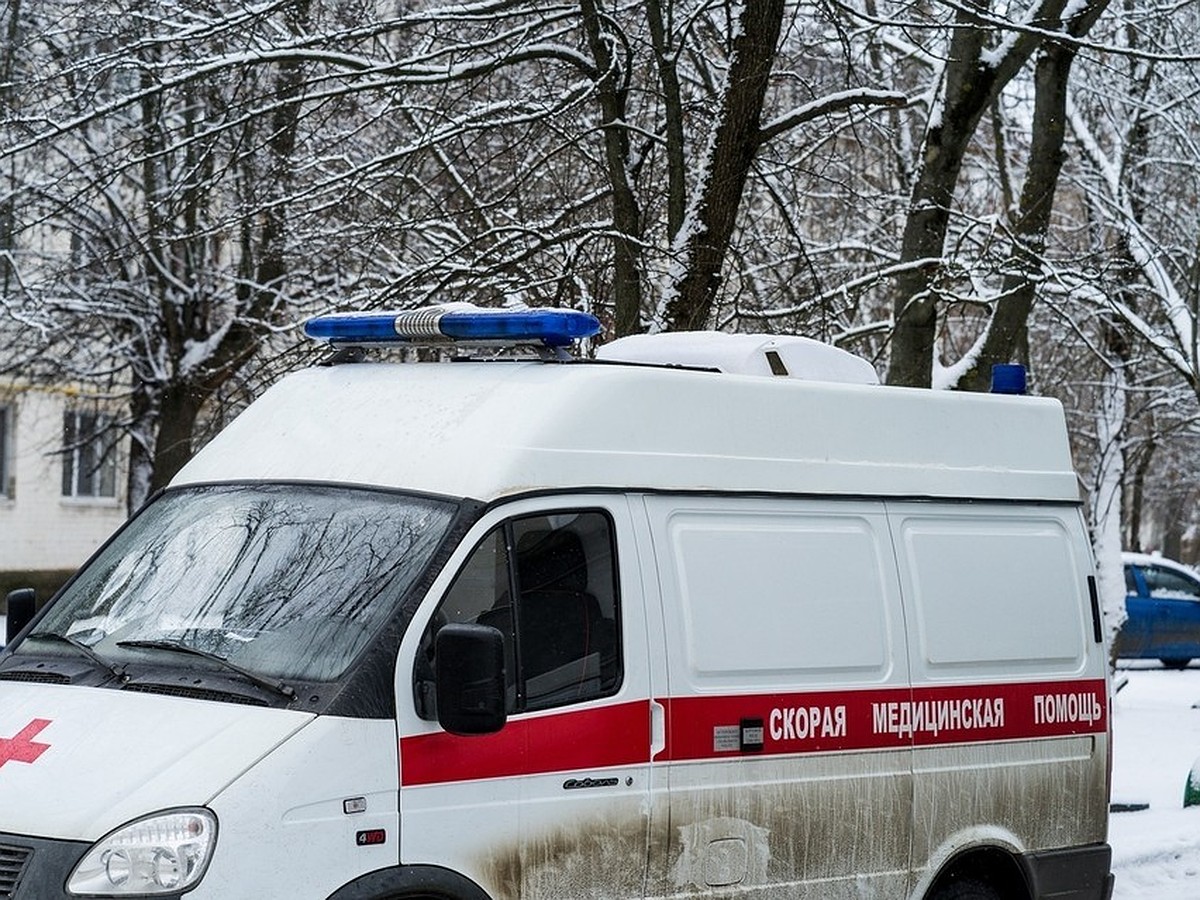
[(100, 661), (178, 647)]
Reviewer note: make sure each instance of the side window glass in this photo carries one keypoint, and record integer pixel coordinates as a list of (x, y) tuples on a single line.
[(1164, 584), (1130, 582), (562, 633), (567, 621)]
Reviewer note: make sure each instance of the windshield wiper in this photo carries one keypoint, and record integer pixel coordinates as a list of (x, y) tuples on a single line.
[(176, 646), (100, 661)]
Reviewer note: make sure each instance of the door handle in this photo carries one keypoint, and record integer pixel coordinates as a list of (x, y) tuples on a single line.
[(658, 728)]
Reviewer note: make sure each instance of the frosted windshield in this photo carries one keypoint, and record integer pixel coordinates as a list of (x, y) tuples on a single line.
[(283, 580)]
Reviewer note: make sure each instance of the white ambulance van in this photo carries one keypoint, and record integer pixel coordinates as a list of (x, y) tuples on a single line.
[(701, 618)]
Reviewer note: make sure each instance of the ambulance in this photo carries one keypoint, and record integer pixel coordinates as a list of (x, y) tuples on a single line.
[(708, 616)]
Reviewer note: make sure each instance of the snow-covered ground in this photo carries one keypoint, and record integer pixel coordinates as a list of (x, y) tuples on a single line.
[(1156, 736)]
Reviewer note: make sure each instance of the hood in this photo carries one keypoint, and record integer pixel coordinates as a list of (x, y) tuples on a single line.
[(76, 762)]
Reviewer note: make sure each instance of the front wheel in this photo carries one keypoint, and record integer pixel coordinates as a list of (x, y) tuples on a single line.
[(967, 890), (1176, 662)]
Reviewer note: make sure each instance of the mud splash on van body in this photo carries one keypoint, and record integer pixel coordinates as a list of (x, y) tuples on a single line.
[(828, 832), (596, 859), (825, 836), (1045, 794), (827, 828)]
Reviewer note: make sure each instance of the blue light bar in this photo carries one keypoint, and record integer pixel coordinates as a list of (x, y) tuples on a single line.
[(455, 322)]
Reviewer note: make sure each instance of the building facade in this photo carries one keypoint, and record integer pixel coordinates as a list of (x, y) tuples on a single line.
[(62, 479)]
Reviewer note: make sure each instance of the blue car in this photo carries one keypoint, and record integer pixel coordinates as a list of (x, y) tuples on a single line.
[(1163, 604)]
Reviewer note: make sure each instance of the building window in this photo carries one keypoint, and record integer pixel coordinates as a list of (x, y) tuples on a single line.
[(89, 455), (6, 466)]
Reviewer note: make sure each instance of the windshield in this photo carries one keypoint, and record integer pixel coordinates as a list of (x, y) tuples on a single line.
[(286, 581)]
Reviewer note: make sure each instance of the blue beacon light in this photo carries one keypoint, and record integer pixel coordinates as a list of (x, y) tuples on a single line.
[(455, 322), (1008, 378)]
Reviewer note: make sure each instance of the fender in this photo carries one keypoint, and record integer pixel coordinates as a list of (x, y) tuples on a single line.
[(411, 882)]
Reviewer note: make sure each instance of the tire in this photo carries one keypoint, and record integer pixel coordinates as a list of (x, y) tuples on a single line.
[(1175, 662), (970, 889)]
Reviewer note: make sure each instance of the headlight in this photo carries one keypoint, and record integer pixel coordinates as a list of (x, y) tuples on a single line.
[(164, 853)]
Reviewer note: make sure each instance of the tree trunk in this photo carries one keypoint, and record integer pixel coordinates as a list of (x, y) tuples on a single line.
[(672, 99), (178, 408), (713, 211), (188, 322), (8, 101), (141, 428), (627, 216), (1006, 338), (1107, 482), (1137, 491), (1006, 331), (969, 89), (971, 85)]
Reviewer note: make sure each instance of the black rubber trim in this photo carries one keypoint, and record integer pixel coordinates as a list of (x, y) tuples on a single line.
[(1076, 873), (410, 883), (767, 494), (1097, 619)]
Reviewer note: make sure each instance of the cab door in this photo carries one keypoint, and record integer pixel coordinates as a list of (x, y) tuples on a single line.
[(553, 804)]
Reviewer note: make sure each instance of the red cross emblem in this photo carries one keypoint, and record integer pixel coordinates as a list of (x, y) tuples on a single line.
[(21, 747)]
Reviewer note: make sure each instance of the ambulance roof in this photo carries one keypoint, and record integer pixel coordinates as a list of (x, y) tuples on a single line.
[(487, 430)]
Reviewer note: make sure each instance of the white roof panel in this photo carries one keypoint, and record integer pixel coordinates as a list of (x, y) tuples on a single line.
[(491, 429)]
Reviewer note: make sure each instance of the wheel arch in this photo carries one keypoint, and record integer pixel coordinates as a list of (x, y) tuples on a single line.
[(995, 866), (411, 883)]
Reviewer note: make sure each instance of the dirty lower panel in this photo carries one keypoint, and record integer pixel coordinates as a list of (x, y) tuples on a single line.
[(832, 826), (562, 848), (1047, 794)]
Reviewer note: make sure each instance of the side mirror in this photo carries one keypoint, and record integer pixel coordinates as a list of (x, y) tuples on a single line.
[(21, 607), (470, 679)]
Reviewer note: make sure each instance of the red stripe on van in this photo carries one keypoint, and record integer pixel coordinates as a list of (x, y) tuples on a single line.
[(717, 727), (814, 722), (592, 738)]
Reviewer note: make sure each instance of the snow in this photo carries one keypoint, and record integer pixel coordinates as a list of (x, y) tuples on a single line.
[(1156, 741)]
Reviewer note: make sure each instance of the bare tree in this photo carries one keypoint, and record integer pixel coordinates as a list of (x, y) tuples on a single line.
[(206, 178), (1005, 338), (981, 61), (497, 151), (145, 284)]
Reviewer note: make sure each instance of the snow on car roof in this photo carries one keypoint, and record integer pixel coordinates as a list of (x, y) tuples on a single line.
[(1155, 559)]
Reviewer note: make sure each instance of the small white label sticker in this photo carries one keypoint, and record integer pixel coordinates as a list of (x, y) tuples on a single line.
[(727, 738)]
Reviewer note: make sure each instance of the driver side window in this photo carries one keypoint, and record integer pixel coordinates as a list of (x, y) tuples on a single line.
[(548, 584)]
